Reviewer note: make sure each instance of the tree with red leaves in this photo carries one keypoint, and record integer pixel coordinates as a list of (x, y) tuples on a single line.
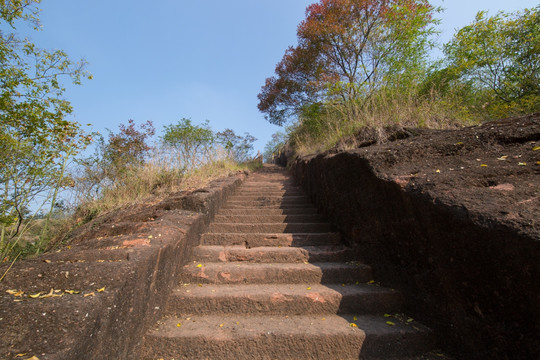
[(347, 49)]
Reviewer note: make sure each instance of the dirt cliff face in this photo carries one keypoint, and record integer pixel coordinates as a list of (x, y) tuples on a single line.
[(450, 218)]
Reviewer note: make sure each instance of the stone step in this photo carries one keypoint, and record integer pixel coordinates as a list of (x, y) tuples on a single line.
[(271, 198), (264, 273), (272, 254), (284, 299), (287, 206), (264, 218), (276, 211), (269, 228), (262, 201), (283, 337), (273, 240), (269, 192)]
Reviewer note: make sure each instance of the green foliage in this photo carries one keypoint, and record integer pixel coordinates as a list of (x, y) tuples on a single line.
[(272, 147), (347, 51), (115, 159), (498, 58), (191, 143), (238, 147), (36, 141)]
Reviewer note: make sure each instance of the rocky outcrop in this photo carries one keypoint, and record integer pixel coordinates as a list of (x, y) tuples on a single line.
[(449, 218)]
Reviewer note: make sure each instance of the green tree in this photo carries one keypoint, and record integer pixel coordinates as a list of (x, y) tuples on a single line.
[(499, 57), (238, 147), (116, 158), (347, 50), (36, 140), (273, 146), (191, 143)]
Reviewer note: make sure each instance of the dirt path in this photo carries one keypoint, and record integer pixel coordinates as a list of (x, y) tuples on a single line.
[(271, 280)]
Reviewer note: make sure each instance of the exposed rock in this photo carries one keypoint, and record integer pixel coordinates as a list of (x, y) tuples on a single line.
[(451, 218)]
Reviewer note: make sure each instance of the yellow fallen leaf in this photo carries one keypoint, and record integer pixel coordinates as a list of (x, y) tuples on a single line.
[(357, 283), (483, 165), (33, 358), (538, 163), (50, 294), (200, 265), (100, 261), (35, 296), (522, 164), (238, 323), (200, 285), (150, 237), (371, 282), (89, 294), (309, 288), (178, 325), (72, 292), (16, 293), (536, 148), (47, 261), (502, 158), (342, 284), (20, 355), (221, 325), (323, 319), (409, 320), (355, 318), (101, 290), (387, 315), (390, 323), (438, 171), (459, 143), (353, 325)]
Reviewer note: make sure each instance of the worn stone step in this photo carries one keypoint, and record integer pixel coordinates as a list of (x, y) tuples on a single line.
[(269, 228), (272, 254), (285, 299), (272, 198), (264, 218), (276, 211), (265, 239), (263, 273), (283, 337), (269, 206), (254, 337), (270, 192), (267, 202)]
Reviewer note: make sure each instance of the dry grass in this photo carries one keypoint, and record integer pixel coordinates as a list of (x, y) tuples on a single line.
[(379, 113)]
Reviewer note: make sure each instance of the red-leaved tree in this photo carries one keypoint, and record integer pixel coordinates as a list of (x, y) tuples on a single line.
[(347, 49)]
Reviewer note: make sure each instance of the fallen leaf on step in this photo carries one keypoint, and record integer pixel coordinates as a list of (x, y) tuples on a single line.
[(178, 325), (101, 290), (390, 323), (16, 293), (353, 325), (89, 294), (200, 265), (35, 296)]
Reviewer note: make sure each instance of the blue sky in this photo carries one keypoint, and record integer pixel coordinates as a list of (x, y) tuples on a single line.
[(168, 59)]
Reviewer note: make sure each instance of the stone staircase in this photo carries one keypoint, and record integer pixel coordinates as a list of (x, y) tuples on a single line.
[(271, 280)]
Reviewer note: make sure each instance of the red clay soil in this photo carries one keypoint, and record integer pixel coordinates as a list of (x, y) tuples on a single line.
[(451, 218)]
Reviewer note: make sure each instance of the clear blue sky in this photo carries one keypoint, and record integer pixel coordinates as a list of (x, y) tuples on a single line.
[(168, 59)]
